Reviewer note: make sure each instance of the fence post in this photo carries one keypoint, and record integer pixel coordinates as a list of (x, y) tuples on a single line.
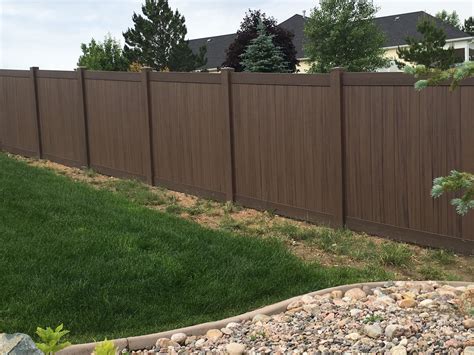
[(336, 76), (149, 125), (226, 80), (83, 114), (34, 86)]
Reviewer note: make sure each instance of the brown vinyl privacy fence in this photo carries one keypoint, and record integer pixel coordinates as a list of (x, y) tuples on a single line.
[(352, 149)]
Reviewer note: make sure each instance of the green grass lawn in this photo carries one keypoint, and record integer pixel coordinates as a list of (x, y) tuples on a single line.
[(107, 267)]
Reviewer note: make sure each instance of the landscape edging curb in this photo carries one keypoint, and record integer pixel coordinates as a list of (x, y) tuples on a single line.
[(147, 341)]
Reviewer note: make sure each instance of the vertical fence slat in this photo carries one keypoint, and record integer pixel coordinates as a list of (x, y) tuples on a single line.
[(226, 75), (338, 184), (83, 114), (34, 88), (148, 138)]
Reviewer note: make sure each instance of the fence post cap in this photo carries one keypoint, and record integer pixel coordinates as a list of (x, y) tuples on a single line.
[(145, 69), (34, 68), (227, 69)]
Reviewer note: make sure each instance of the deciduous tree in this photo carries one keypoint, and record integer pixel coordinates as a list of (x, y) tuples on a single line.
[(342, 33), (106, 55)]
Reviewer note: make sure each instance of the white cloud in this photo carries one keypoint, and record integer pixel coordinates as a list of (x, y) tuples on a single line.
[(48, 33)]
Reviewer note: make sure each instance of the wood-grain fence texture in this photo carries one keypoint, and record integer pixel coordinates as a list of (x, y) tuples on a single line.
[(343, 149)]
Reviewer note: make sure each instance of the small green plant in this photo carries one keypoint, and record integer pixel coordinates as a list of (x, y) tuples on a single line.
[(106, 347), (51, 339), (395, 254), (373, 319), (137, 192), (230, 224), (90, 172), (430, 272), (174, 208), (443, 257), (294, 231), (200, 207), (230, 207)]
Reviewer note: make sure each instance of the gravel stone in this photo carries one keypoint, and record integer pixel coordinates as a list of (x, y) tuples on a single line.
[(355, 293), (179, 338), (398, 318)]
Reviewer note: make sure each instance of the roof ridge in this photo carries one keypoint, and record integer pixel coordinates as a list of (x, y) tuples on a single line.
[(208, 37), (405, 13)]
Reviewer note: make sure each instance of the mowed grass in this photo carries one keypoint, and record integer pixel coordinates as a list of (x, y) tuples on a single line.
[(106, 266)]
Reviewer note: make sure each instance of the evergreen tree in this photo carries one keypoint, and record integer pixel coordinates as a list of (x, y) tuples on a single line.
[(106, 55), (429, 50), (282, 38), (183, 59), (262, 56), (157, 38), (469, 26), (449, 18), (342, 33)]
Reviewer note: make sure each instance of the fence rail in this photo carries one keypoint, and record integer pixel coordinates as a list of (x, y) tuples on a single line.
[(344, 149)]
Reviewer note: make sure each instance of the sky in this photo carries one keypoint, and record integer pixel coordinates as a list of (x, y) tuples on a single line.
[(48, 33)]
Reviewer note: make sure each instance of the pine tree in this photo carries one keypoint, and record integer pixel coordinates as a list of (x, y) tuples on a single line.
[(157, 39), (248, 31), (469, 26), (106, 55), (342, 33), (450, 18), (262, 56), (429, 50)]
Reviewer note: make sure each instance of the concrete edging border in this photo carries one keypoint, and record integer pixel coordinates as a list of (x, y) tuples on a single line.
[(148, 341)]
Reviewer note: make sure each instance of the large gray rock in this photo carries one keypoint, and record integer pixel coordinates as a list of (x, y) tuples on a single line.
[(18, 344)]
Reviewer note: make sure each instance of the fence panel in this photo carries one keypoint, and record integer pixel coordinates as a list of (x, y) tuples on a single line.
[(60, 117), (188, 132), (116, 124), (467, 149), (283, 157), (17, 113), (270, 141), (397, 141)]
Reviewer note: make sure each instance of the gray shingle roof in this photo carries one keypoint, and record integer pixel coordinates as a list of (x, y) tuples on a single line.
[(395, 27)]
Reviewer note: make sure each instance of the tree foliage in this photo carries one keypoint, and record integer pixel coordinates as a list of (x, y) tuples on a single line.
[(433, 77), (469, 26), (342, 33), (262, 55), (157, 39), (461, 182), (450, 18), (106, 55), (429, 50), (248, 31)]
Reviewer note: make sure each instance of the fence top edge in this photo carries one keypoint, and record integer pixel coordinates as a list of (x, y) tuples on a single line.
[(14, 73)]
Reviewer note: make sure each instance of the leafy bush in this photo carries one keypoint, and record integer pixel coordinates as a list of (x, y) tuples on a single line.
[(107, 347), (51, 339)]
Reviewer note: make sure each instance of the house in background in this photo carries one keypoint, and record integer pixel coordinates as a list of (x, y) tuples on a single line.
[(395, 27)]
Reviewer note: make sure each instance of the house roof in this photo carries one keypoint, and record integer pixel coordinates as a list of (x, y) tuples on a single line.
[(395, 27)]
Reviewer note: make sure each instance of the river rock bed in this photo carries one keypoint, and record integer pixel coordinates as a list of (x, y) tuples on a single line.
[(398, 318)]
